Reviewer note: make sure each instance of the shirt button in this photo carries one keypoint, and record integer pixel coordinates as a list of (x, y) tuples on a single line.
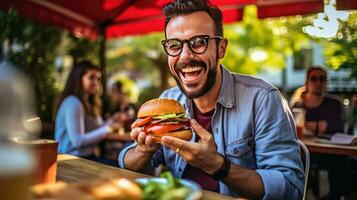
[(180, 169)]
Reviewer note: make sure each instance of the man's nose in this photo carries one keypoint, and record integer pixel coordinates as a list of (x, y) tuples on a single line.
[(186, 52)]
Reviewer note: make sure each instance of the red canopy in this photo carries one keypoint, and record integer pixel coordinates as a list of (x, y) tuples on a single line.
[(128, 17), (346, 5)]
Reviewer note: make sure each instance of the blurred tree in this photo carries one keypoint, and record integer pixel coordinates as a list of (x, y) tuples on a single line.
[(272, 40), (33, 47), (341, 52), (81, 48), (145, 58), (256, 45), (33, 55)]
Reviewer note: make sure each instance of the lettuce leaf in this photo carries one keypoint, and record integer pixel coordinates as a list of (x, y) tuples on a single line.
[(171, 190), (169, 116)]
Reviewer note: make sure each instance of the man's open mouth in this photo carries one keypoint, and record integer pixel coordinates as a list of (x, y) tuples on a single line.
[(191, 72)]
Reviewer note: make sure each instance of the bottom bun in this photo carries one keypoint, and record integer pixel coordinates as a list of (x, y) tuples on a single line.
[(183, 135)]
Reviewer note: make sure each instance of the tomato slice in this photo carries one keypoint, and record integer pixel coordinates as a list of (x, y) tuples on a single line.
[(141, 122), (163, 128)]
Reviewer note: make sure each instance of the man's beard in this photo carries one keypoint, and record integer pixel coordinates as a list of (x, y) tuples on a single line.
[(210, 81)]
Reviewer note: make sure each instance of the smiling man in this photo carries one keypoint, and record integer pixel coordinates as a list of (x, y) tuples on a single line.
[(245, 142)]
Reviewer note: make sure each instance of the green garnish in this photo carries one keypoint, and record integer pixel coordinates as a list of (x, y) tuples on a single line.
[(172, 190), (169, 116)]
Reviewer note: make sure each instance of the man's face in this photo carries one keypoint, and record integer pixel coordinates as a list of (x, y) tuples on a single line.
[(195, 74), (316, 82)]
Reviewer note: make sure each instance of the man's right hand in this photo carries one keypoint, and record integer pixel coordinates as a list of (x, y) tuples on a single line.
[(145, 141), (138, 158)]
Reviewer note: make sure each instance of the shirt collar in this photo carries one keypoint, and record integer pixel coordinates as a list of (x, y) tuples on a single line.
[(226, 95)]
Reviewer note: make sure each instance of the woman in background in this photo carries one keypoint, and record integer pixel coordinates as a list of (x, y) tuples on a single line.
[(324, 116), (79, 126)]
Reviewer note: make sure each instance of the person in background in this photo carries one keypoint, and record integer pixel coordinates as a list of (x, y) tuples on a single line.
[(324, 112), (324, 116), (78, 124), (244, 142), (120, 105)]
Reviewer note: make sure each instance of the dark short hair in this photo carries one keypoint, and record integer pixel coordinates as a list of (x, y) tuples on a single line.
[(314, 68), (181, 7)]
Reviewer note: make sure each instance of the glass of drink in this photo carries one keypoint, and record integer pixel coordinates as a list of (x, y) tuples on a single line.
[(299, 116), (16, 172), (45, 152)]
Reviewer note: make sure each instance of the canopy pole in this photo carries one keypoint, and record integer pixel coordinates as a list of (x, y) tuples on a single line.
[(102, 61)]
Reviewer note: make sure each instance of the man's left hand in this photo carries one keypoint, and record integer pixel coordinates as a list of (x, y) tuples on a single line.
[(202, 155)]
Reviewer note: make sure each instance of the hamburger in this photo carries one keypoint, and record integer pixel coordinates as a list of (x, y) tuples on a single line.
[(160, 117)]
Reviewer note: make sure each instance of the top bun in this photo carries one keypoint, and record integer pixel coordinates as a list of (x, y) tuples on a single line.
[(156, 107)]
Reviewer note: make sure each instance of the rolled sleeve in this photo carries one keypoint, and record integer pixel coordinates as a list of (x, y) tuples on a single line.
[(122, 155), (277, 150), (276, 186)]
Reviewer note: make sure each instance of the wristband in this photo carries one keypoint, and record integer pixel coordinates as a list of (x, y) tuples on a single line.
[(223, 171)]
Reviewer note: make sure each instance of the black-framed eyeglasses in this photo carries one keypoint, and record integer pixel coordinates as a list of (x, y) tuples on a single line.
[(314, 79), (197, 44)]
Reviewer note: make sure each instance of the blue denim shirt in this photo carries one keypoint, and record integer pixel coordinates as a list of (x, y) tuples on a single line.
[(253, 127)]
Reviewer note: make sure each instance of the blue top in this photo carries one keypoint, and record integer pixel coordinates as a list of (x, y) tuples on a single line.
[(76, 132), (254, 128)]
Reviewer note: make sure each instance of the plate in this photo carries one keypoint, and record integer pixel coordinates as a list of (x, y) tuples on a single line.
[(196, 190), (321, 140)]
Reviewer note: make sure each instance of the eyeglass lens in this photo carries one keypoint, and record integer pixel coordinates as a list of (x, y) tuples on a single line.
[(322, 79)]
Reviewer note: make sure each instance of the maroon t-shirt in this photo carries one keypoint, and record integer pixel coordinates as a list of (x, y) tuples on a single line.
[(196, 174)]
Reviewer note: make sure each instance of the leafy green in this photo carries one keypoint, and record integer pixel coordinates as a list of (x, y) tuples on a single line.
[(171, 190), (169, 116)]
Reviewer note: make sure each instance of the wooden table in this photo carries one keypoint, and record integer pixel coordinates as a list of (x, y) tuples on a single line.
[(72, 169), (318, 147)]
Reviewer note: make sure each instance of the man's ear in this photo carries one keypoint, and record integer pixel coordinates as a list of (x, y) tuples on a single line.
[(222, 48)]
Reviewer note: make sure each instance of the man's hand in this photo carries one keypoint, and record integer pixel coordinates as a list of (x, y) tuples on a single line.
[(137, 159), (145, 141), (201, 155)]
